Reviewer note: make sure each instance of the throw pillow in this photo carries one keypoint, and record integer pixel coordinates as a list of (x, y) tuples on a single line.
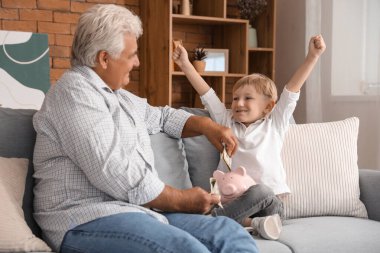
[(320, 161), (15, 235), (170, 161)]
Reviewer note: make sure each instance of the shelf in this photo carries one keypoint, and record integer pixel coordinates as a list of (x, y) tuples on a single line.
[(191, 19), (260, 49), (213, 24), (211, 74)]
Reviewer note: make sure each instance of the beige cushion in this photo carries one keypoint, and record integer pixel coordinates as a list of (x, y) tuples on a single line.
[(15, 235), (320, 161)]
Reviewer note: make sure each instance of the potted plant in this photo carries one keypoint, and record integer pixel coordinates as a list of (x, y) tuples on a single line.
[(251, 9), (199, 55)]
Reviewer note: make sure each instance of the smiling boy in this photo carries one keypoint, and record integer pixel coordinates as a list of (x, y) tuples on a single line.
[(259, 124)]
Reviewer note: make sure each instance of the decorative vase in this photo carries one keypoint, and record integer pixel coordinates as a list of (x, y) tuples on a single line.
[(185, 7), (252, 37), (199, 66)]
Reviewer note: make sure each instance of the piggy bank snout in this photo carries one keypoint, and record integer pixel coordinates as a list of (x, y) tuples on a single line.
[(228, 189)]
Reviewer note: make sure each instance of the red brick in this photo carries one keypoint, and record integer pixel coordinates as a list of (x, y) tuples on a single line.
[(25, 26), (60, 51), (102, 1), (55, 74), (61, 63), (40, 15), (51, 39), (70, 18), (128, 2), (47, 27), (134, 9), (52, 81), (8, 13), (73, 28), (31, 4), (63, 5), (80, 7), (64, 40)]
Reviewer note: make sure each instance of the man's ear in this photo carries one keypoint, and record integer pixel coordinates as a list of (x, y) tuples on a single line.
[(102, 59)]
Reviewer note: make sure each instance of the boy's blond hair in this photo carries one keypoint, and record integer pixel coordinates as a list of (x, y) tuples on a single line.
[(261, 83)]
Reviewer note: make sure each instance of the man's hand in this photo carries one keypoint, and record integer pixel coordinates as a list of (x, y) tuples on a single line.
[(215, 133), (219, 135), (193, 200)]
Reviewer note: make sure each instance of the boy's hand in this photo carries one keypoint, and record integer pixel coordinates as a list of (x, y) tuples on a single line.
[(180, 56), (316, 46)]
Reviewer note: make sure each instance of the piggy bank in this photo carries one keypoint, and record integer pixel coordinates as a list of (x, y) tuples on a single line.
[(232, 184)]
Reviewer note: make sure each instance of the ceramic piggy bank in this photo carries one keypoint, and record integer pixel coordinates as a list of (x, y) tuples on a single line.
[(232, 184)]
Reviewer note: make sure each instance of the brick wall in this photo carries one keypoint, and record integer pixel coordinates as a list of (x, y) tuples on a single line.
[(58, 19)]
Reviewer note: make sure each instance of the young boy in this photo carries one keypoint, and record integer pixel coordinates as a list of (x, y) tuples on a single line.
[(260, 124)]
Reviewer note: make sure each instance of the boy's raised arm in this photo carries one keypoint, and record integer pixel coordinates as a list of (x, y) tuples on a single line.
[(316, 47), (181, 58)]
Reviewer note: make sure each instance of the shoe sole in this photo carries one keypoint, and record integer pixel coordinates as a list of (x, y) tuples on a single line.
[(272, 227)]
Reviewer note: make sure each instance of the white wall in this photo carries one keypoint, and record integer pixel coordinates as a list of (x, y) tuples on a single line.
[(290, 52), (290, 44)]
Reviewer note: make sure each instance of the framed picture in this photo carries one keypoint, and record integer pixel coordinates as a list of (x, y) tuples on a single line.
[(217, 60)]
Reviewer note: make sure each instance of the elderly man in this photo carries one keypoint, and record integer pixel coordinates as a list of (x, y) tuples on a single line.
[(96, 186)]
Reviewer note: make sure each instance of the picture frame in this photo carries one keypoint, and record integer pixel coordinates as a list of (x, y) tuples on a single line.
[(217, 60)]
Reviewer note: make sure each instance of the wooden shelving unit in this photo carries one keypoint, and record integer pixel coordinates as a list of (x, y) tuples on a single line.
[(212, 24)]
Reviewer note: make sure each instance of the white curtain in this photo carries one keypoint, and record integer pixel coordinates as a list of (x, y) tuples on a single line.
[(313, 87)]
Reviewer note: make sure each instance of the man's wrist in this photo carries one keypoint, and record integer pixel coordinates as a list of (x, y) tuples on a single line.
[(196, 125)]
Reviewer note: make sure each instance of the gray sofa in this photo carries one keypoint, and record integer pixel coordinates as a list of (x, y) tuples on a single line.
[(313, 234)]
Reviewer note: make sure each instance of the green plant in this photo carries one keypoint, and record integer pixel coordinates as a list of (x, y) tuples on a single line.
[(199, 54), (250, 9)]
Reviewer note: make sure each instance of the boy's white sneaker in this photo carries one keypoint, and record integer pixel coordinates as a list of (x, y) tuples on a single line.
[(268, 227)]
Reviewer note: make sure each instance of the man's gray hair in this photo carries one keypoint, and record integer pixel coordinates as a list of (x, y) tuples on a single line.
[(103, 27)]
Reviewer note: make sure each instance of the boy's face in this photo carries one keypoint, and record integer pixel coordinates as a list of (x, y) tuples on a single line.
[(248, 106)]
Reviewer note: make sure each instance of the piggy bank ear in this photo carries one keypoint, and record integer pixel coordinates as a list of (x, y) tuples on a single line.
[(241, 171), (218, 174)]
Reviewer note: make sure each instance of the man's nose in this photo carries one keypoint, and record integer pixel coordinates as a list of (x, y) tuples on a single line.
[(137, 62)]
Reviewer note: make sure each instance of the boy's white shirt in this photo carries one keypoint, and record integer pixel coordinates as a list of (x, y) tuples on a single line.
[(261, 142)]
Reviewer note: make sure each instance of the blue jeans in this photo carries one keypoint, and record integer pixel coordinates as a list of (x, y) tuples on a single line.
[(258, 201), (141, 233)]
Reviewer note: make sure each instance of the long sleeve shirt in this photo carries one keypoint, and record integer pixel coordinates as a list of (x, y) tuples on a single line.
[(93, 155), (260, 144)]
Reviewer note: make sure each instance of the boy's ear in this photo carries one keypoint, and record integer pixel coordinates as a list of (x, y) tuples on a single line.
[(269, 106)]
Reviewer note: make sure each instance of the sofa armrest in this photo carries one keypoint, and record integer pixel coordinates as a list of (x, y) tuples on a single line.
[(369, 181)]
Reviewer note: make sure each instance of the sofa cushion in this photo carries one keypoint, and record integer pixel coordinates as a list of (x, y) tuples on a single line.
[(331, 234), (270, 246), (201, 155), (369, 192), (15, 235), (17, 138), (170, 161), (320, 161)]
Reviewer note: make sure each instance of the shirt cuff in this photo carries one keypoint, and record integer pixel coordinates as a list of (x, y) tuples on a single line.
[(148, 189), (294, 96), (209, 94), (175, 124)]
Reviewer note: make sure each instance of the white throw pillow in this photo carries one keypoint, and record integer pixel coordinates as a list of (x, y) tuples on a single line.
[(15, 235), (320, 161)]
